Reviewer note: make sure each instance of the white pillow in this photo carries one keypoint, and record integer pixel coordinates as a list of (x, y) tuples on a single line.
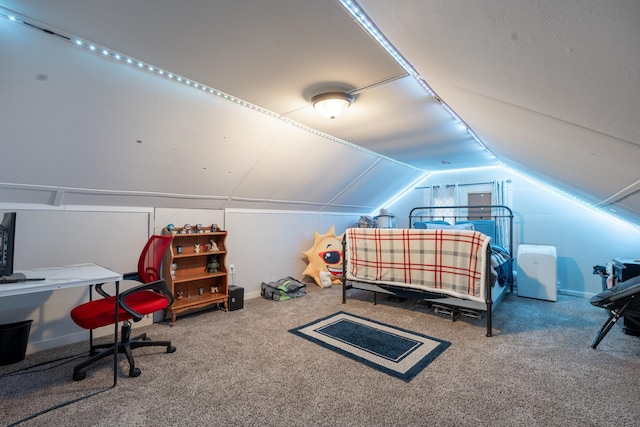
[(466, 226)]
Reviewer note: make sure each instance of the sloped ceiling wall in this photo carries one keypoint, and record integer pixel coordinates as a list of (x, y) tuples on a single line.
[(549, 87), (84, 130)]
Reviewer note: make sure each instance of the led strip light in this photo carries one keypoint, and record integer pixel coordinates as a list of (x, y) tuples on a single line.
[(358, 14), (609, 214), (157, 71)]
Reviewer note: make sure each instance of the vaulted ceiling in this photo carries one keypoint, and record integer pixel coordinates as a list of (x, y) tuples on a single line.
[(549, 88)]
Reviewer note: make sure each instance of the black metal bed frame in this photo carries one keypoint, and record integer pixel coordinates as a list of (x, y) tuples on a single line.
[(466, 306)]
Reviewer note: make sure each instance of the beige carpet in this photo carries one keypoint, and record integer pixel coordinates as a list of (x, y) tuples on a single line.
[(243, 368)]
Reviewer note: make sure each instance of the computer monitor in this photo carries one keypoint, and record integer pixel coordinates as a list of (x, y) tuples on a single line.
[(7, 240)]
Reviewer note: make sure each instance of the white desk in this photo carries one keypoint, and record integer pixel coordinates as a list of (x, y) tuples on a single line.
[(69, 276)]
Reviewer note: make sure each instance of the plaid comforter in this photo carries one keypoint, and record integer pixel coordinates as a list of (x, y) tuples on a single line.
[(451, 262)]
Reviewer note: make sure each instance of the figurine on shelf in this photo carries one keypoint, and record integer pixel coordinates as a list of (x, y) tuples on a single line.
[(179, 295), (197, 247), (211, 246), (213, 265), (174, 267), (214, 228), (213, 289)]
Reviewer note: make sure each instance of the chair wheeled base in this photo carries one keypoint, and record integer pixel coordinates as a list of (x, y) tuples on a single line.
[(126, 344)]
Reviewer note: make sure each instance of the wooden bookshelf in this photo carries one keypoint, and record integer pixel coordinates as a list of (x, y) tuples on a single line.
[(187, 273)]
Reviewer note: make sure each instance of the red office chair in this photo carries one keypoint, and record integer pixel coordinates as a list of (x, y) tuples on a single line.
[(153, 295)]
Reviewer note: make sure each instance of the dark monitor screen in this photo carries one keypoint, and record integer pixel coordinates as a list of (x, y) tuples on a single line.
[(7, 239)]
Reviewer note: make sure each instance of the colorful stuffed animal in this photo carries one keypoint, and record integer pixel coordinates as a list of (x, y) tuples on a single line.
[(325, 257)]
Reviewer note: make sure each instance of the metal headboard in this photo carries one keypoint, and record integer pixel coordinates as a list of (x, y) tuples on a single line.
[(501, 214)]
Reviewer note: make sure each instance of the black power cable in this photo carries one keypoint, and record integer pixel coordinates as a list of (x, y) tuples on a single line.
[(30, 369)]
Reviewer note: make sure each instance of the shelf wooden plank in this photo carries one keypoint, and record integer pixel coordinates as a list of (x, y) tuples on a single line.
[(198, 300), (202, 253), (194, 277)]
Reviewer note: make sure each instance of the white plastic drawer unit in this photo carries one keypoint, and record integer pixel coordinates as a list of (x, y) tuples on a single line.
[(537, 272)]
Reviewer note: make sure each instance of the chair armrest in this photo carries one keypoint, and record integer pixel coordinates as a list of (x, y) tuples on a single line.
[(131, 276), (126, 276), (159, 286)]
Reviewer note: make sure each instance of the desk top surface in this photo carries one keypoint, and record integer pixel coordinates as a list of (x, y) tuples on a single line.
[(67, 276)]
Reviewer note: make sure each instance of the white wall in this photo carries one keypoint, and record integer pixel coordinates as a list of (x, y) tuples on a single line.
[(47, 237), (263, 245), (583, 237)]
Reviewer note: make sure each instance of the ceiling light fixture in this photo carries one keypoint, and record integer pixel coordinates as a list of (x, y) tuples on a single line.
[(332, 104)]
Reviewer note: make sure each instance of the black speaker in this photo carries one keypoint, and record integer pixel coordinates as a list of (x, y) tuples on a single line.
[(236, 298)]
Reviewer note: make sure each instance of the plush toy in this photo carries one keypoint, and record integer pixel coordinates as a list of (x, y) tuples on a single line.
[(325, 257), (213, 264)]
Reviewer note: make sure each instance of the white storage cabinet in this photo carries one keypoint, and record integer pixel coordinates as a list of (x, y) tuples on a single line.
[(537, 272)]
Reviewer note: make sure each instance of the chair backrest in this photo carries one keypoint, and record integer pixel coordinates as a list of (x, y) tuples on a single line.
[(151, 258)]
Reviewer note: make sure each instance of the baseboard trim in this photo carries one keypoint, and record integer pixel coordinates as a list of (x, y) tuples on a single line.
[(575, 293)]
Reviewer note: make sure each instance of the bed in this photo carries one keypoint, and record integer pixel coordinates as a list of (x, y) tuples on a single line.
[(457, 259)]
